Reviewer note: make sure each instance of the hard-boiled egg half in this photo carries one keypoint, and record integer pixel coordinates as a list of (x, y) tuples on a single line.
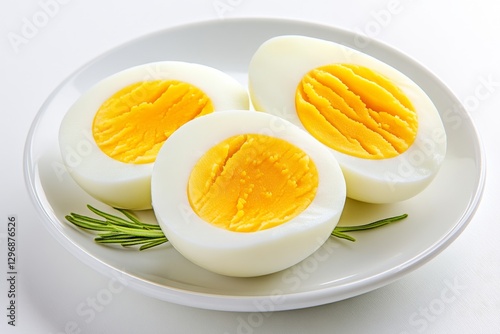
[(243, 193), (381, 126), (110, 137)]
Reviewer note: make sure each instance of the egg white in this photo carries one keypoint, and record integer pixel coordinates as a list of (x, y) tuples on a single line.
[(236, 253), (275, 71), (127, 185)]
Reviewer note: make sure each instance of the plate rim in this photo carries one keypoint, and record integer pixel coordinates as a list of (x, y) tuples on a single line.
[(250, 303)]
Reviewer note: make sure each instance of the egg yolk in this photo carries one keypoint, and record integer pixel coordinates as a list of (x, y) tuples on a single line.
[(132, 125), (356, 111), (252, 182)]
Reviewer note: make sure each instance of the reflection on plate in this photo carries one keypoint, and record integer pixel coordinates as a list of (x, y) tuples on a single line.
[(340, 269)]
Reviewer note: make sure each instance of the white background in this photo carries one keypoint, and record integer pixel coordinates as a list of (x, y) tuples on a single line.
[(458, 40)]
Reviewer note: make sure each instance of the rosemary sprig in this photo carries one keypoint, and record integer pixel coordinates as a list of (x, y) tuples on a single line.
[(132, 232), (116, 230), (339, 231)]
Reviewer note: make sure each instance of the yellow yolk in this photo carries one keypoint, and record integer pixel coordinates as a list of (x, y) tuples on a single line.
[(132, 125), (356, 111), (252, 182)]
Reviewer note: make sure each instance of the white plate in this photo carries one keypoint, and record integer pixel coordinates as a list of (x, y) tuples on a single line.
[(340, 269)]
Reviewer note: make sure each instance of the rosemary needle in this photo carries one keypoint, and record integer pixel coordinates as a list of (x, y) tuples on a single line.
[(130, 231)]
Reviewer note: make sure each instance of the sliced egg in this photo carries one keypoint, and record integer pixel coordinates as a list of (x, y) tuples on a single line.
[(249, 193), (384, 130), (110, 137)]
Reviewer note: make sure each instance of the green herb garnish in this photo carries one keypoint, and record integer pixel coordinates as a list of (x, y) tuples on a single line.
[(339, 231), (117, 230), (131, 232)]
